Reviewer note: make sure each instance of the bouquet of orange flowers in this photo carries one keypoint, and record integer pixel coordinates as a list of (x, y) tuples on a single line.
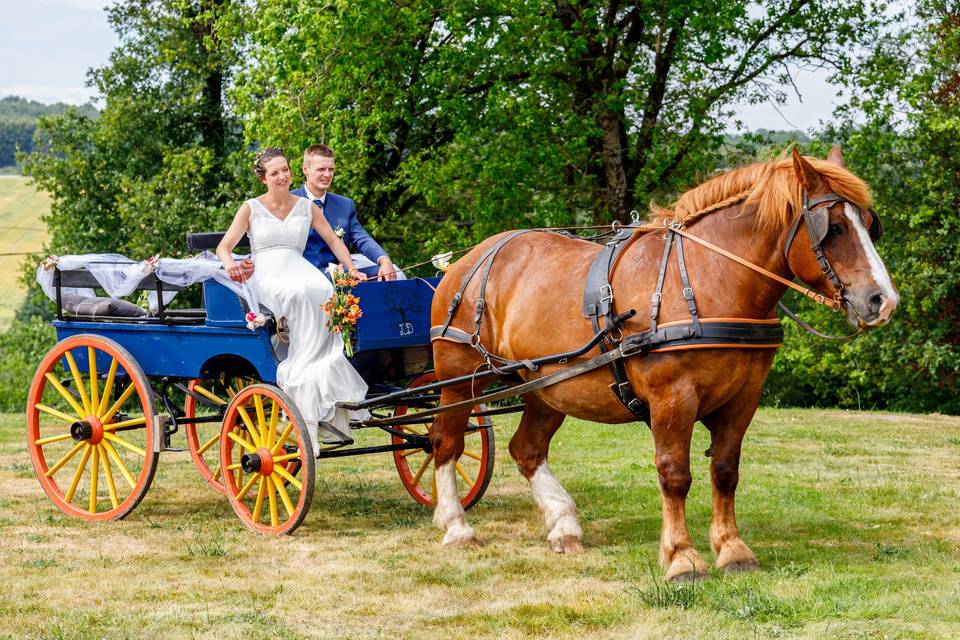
[(343, 308)]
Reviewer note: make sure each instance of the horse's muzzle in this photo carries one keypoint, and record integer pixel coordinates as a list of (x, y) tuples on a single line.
[(872, 309)]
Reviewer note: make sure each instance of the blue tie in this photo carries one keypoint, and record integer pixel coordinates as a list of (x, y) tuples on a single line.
[(318, 202)]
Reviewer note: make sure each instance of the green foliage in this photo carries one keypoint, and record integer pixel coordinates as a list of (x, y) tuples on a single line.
[(164, 156), (454, 121), (18, 120), (21, 349), (909, 151)]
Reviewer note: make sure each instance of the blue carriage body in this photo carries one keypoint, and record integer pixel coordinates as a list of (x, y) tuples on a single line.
[(396, 316)]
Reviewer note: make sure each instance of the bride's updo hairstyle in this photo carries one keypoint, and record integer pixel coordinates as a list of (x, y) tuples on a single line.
[(264, 157)]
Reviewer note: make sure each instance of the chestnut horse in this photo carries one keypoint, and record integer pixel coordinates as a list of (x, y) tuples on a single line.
[(533, 309)]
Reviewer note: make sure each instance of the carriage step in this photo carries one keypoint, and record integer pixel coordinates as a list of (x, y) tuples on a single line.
[(333, 437)]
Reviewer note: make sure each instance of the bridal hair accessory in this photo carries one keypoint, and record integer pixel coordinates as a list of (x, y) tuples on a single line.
[(442, 261), (343, 308)]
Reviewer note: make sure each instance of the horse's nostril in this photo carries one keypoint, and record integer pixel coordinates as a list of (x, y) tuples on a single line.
[(876, 301)]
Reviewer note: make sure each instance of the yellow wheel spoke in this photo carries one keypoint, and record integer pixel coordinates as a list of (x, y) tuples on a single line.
[(78, 381), (209, 443), (94, 392), (423, 467), (282, 439), (463, 474), (209, 394), (433, 496), (261, 492), (261, 418), (109, 475), (78, 473), (66, 394), (272, 428), (404, 454), (94, 478), (120, 465), (284, 498), (125, 444), (284, 458), (108, 387), (243, 443), (216, 473), (56, 413), (243, 492), (233, 467), (44, 441), (125, 423), (410, 429), (66, 458), (254, 432), (289, 478), (274, 517), (119, 403), (471, 454)]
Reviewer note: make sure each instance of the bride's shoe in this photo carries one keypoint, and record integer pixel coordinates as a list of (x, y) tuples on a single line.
[(330, 435)]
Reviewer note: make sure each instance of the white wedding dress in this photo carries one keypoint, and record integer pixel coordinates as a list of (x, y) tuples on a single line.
[(315, 374)]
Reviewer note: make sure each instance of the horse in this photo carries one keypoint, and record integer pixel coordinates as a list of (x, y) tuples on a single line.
[(532, 307)]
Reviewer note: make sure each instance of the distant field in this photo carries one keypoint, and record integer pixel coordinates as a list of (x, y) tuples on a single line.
[(21, 230), (853, 517)]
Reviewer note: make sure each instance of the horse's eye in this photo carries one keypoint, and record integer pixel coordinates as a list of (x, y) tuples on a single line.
[(836, 230)]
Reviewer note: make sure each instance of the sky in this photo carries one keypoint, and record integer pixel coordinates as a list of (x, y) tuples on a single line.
[(47, 46)]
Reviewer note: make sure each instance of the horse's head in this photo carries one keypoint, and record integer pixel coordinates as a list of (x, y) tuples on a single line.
[(835, 253)]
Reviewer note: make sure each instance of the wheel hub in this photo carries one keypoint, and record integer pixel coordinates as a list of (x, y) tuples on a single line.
[(259, 462), (89, 429)]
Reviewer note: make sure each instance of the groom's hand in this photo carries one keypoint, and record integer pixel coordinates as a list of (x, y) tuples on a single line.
[(246, 268), (387, 271)]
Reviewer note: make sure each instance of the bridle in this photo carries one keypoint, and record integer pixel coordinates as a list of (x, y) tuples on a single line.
[(816, 216)]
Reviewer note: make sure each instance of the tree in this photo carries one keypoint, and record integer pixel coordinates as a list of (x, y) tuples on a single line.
[(902, 134), (162, 159), (491, 114)]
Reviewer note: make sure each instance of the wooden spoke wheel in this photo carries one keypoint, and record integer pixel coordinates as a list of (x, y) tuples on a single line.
[(474, 469), (90, 428), (267, 459), (209, 398)]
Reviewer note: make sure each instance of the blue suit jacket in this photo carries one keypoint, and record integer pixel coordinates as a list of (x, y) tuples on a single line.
[(341, 213)]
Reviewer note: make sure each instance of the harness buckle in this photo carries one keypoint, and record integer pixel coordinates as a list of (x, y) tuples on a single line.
[(608, 289), (687, 294)]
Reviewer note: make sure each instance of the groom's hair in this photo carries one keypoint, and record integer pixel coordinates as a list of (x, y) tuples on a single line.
[(321, 150)]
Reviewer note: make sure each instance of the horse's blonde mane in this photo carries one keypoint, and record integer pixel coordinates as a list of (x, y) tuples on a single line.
[(772, 188)]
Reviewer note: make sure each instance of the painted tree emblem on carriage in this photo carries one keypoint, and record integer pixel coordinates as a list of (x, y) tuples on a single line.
[(405, 303)]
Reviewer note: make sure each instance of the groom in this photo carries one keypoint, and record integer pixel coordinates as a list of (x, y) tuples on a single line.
[(341, 213)]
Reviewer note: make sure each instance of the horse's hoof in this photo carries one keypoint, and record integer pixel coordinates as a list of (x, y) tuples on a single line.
[(461, 541), (687, 566), (690, 576), (567, 544), (741, 566)]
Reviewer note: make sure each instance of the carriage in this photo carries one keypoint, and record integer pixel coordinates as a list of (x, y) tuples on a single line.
[(119, 388)]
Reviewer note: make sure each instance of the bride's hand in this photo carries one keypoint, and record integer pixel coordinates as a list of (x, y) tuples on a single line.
[(356, 274)]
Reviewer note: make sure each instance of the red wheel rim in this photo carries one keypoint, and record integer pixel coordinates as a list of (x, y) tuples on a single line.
[(267, 498), (202, 438), (474, 469), (90, 429)]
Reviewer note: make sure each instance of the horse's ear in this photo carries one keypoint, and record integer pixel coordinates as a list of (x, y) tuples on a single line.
[(836, 157), (807, 175)]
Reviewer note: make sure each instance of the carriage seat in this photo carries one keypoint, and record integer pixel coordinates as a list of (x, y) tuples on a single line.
[(208, 240), (103, 309)]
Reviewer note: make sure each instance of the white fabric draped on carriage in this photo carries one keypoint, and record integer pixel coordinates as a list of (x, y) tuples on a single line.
[(120, 276)]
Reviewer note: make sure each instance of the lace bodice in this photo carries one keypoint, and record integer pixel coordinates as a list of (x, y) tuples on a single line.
[(269, 232)]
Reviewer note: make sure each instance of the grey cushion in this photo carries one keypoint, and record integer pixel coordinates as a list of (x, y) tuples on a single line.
[(80, 306)]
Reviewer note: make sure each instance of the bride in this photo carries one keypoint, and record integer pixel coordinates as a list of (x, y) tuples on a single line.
[(315, 374)]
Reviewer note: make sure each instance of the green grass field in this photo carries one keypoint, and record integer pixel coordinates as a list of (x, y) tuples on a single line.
[(21, 230), (853, 516)]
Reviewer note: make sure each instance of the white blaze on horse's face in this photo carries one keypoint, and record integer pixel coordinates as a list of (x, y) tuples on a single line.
[(876, 301)]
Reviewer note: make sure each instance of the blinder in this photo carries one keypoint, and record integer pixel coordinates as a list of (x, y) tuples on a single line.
[(876, 227)]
